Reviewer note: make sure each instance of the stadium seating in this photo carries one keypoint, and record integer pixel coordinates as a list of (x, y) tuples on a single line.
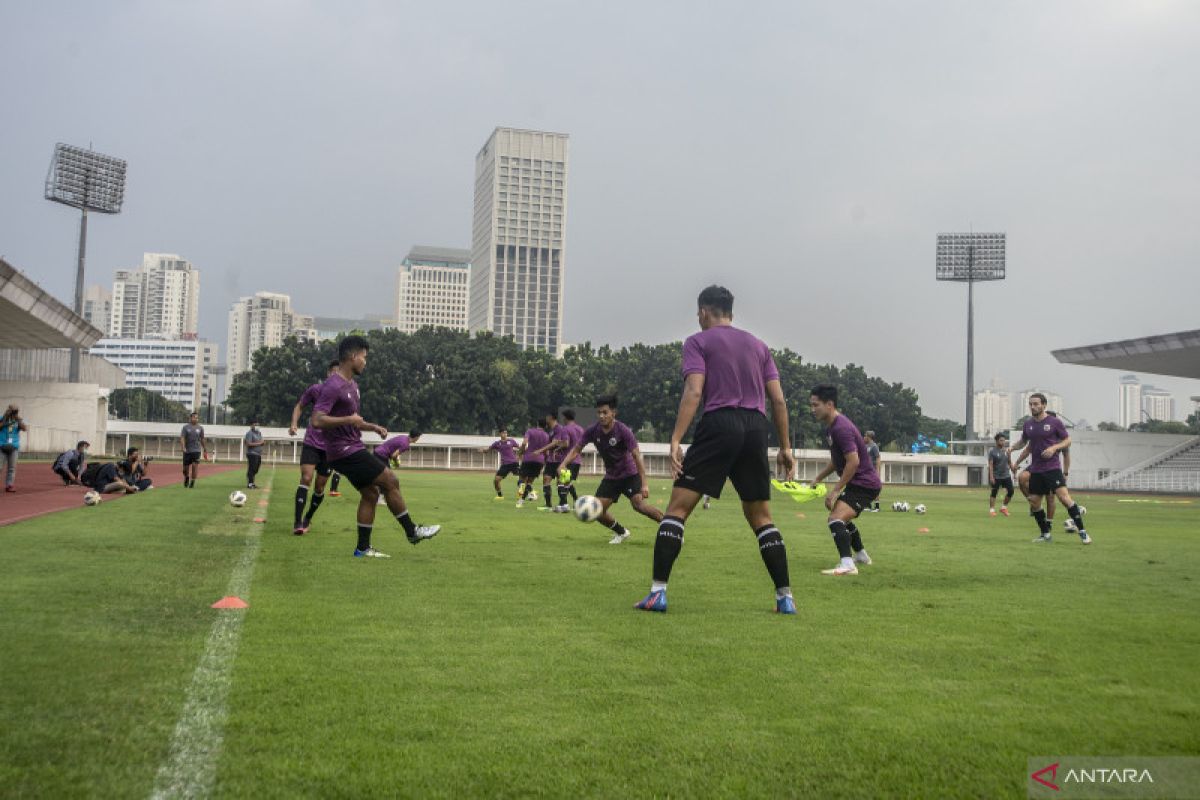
[(1175, 471)]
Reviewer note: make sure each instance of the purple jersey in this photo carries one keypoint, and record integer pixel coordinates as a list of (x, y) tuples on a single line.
[(339, 398), (736, 366), (615, 447), (574, 434), (393, 446), (1041, 434), (313, 436), (554, 455), (535, 439), (507, 448), (843, 437)]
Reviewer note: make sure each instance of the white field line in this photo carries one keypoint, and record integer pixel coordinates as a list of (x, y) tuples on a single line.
[(191, 767)]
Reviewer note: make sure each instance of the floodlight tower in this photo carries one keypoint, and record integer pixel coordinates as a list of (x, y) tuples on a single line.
[(967, 258), (89, 181)]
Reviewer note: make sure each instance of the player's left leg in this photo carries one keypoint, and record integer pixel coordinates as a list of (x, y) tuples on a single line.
[(607, 497), (643, 507), (841, 516), (772, 551), (368, 497), (388, 485), (1075, 511)]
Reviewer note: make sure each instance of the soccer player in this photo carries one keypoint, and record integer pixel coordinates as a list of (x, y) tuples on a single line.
[(336, 413), (1045, 437), (506, 447), (553, 453), (873, 452), (195, 447), (390, 450), (570, 436), (253, 441), (999, 474), (858, 483), (730, 374), (624, 470), (312, 458), (532, 459)]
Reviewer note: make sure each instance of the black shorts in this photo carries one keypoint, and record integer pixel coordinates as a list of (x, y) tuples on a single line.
[(191, 458), (613, 488), (574, 470), (508, 469), (551, 469), (1043, 483), (729, 443), (1005, 483), (531, 469), (315, 456), (360, 468), (858, 497)]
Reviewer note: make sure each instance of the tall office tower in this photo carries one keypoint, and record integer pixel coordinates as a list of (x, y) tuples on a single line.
[(264, 320), (97, 307), (993, 411), (1129, 401), (433, 289), (518, 254), (159, 300), (1158, 404), (1054, 402)]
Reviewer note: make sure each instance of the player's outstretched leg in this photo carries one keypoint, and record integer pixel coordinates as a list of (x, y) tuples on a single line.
[(389, 486), (606, 519)]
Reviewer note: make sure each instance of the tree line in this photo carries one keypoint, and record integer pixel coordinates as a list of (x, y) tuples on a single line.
[(452, 382)]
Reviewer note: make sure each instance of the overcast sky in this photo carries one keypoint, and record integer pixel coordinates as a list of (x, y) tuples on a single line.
[(803, 154)]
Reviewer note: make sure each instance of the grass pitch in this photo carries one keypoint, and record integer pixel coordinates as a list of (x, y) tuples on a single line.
[(503, 658)]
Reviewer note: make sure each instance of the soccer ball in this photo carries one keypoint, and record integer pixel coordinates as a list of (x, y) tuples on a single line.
[(91, 499), (900, 505), (237, 499), (920, 509), (588, 509), (896, 505)]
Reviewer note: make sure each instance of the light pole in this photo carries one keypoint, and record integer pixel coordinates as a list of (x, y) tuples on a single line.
[(967, 258), (89, 181)]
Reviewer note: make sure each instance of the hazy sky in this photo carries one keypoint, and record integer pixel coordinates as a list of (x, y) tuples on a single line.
[(803, 154)]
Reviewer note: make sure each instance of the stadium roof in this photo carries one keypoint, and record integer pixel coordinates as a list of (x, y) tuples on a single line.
[(34, 320), (1174, 354)]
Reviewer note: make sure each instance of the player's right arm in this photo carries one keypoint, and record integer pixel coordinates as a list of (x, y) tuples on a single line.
[(689, 403), (779, 412), (824, 473), (297, 410)]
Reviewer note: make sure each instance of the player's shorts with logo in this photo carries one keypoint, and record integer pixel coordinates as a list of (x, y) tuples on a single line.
[(316, 457), (613, 488), (531, 469), (858, 497), (1002, 483), (730, 443), (191, 458), (1043, 483), (360, 468), (505, 470), (551, 470)]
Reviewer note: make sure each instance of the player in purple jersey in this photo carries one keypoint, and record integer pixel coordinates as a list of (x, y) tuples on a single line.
[(1045, 436), (570, 435), (507, 448), (533, 460), (624, 471), (336, 414), (312, 459), (858, 483), (729, 374), (553, 452), (390, 450)]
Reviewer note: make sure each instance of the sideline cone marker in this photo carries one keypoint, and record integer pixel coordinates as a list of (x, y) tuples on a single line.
[(922, 530), (260, 519), (230, 602)]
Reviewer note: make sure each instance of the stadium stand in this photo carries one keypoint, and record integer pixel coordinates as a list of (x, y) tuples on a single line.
[(1174, 471)]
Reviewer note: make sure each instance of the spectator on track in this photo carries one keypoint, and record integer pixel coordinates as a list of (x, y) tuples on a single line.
[(70, 465)]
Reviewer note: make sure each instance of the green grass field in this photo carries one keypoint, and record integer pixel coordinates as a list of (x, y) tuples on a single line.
[(503, 658)]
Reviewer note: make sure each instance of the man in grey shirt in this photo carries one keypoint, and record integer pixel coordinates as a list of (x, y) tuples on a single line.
[(873, 452), (999, 474), (253, 441), (195, 447)]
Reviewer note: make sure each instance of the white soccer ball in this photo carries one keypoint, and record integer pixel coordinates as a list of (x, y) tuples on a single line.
[(896, 505), (237, 499), (920, 509), (904, 505), (588, 508), (91, 499)]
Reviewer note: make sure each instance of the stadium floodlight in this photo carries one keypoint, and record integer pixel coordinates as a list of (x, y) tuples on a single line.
[(89, 181), (967, 258)]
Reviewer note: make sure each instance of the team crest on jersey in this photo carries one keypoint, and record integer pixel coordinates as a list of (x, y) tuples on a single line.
[(1046, 427), (612, 442)]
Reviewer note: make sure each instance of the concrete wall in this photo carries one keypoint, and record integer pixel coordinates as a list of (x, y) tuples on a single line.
[(1095, 454), (58, 414)]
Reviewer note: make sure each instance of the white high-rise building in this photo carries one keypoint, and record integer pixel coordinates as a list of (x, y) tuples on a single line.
[(264, 320), (178, 369), (518, 254), (993, 411), (1054, 402), (159, 300), (1159, 404), (1129, 401), (433, 289), (97, 307)]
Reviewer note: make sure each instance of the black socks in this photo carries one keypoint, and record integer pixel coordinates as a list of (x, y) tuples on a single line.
[(312, 509), (774, 554), (301, 499), (841, 538), (406, 522), (855, 539), (364, 537), (667, 545), (1044, 525)]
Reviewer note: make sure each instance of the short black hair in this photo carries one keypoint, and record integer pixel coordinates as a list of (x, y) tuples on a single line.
[(826, 393), (1039, 396), (569, 414), (998, 437), (609, 400), (351, 346), (131, 451), (334, 364), (414, 434), (82, 443), (717, 298)]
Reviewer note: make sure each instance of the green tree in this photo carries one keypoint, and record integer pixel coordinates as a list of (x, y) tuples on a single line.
[(145, 405)]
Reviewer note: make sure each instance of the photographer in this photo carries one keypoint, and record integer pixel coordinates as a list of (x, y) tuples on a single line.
[(11, 426), (69, 466), (133, 469), (108, 480)]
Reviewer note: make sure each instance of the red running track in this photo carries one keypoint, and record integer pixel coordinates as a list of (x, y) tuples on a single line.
[(39, 491)]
